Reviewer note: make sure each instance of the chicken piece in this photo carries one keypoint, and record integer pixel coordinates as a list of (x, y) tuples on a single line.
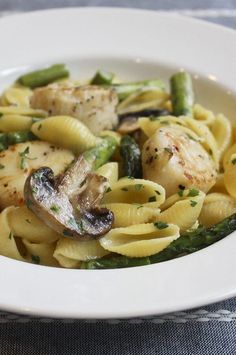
[(171, 158), (93, 105), (20, 159)]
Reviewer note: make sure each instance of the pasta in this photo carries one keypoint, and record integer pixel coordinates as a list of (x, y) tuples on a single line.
[(66, 132), (109, 174), (140, 240)]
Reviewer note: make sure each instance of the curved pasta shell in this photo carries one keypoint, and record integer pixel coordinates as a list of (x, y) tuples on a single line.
[(230, 176), (143, 99), (77, 251), (8, 246), (139, 191), (182, 211), (27, 225), (110, 171), (216, 207), (139, 240), (11, 123), (17, 96), (227, 156), (222, 131), (41, 253), (202, 114), (219, 185), (15, 110), (126, 214), (66, 132), (208, 141)]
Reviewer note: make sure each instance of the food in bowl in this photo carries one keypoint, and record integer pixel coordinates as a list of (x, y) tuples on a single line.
[(105, 174)]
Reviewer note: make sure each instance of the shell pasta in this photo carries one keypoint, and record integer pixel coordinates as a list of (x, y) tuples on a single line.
[(110, 174)]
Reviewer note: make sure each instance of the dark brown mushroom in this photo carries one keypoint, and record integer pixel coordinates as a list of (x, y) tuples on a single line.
[(69, 204)]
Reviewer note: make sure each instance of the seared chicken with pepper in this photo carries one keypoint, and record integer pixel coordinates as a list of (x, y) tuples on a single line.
[(171, 159), (93, 105)]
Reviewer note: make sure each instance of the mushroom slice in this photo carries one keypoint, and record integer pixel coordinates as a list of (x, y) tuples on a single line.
[(69, 204)]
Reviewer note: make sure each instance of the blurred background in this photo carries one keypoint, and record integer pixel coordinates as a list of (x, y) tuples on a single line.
[(218, 11)]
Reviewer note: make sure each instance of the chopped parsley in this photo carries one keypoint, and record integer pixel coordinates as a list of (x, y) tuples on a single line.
[(10, 235), (24, 155), (2, 166), (39, 126), (161, 225), (233, 161), (168, 150), (67, 233), (108, 189), (153, 118), (139, 207), (124, 189), (28, 221), (152, 199), (138, 187), (193, 203), (157, 192), (193, 193), (55, 208), (210, 152), (35, 259), (181, 190)]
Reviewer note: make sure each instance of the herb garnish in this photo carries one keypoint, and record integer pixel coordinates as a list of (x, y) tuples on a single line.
[(193, 203), (24, 156), (108, 189), (124, 189), (193, 193), (169, 150), (138, 187), (55, 208), (233, 161), (152, 199), (161, 225), (10, 235), (35, 259), (2, 166)]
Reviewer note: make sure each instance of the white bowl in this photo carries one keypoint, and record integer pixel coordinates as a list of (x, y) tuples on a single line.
[(135, 45)]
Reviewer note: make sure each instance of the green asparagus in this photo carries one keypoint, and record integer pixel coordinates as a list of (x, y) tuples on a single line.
[(182, 94), (126, 89), (131, 156), (44, 77), (11, 138), (187, 243), (102, 78), (100, 154)]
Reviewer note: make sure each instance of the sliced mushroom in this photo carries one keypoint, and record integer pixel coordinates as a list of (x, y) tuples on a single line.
[(69, 204)]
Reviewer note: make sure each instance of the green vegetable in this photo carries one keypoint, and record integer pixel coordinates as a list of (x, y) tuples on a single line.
[(11, 138), (44, 76), (187, 243), (126, 89), (102, 78), (100, 154), (131, 156), (182, 94), (24, 156)]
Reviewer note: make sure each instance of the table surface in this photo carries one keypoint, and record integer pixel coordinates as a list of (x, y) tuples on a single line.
[(208, 330)]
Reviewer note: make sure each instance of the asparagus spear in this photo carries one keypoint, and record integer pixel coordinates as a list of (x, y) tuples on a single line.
[(187, 243), (44, 76), (102, 78), (100, 154), (131, 155), (182, 94), (126, 89), (11, 138)]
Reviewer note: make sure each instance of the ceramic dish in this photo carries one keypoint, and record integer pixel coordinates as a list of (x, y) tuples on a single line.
[(135, 45)]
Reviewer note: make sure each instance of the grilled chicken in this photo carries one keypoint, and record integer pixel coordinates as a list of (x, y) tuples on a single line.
[(92, 105), (20, 159), (171, 158)]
